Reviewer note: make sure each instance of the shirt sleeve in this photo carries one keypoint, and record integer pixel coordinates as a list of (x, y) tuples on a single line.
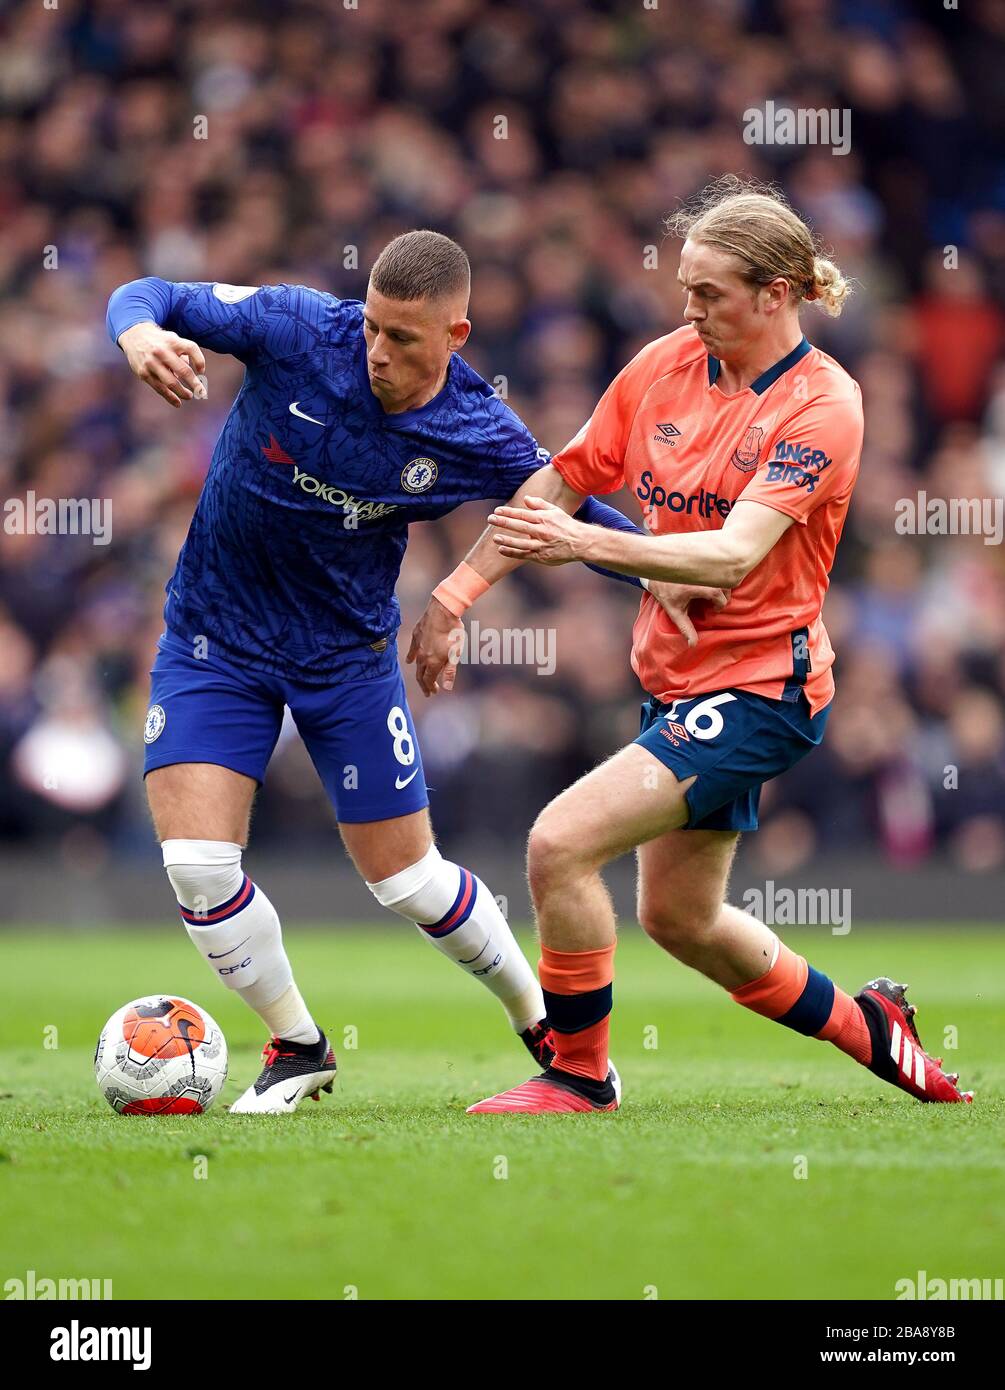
[(520, 457), (251, 323), (595, 513), (594, 460), (512, 452), (517, 456), (813, 458)]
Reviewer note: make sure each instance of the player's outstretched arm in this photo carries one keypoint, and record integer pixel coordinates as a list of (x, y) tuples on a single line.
[(724, 557), (437, 636)]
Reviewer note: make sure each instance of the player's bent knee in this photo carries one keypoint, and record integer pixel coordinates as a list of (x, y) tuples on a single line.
[(203, 873), (405, 892), (676, 931), (554, 854)]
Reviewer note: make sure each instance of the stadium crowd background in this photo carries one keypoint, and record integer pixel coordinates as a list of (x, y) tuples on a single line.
[(330, 129)]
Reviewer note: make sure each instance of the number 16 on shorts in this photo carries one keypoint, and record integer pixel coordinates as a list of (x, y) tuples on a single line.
[(703, 720)]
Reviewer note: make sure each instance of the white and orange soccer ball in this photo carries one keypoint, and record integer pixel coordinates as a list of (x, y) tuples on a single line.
[(162, 1055)]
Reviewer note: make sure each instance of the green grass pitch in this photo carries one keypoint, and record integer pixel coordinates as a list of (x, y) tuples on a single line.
[(388, 1190)]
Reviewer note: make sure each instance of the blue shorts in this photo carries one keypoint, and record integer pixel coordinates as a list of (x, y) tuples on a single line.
[(732, 741), (359, 733)]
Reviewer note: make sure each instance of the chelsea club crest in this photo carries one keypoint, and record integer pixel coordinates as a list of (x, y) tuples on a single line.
[(419, 475), (154, 726)]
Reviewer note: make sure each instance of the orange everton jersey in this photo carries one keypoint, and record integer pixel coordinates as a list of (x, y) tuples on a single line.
[(791, 441)]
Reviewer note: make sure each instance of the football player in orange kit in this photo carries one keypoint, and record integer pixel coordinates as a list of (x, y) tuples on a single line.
[(742, 443)]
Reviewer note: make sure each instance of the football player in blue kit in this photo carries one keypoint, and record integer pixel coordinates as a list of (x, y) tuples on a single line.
[(353, 421)]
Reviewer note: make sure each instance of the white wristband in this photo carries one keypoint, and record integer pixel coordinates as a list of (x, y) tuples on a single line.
[(644, 582)]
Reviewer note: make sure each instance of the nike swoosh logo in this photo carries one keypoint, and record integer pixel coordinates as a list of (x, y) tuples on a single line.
[(184, 1024), (399, 783), (227, 953), (290, 1099), (301, 416)]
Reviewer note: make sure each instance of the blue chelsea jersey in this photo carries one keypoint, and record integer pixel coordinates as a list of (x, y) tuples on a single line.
[(294, 550)]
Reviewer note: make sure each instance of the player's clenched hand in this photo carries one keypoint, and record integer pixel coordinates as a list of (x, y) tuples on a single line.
[(539, 531), (675, 599), (167, 363), (437, 641)]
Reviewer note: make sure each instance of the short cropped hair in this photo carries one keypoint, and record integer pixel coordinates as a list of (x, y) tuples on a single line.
[(421, 265)]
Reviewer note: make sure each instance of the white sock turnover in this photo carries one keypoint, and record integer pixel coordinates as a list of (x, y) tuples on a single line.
[(236, 929), (456, 912)]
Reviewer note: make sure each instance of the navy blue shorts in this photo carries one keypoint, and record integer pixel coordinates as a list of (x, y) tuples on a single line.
[(732, 741), (359, 733)]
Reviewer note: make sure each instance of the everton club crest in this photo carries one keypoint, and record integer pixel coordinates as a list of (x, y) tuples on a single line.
[(747, 453)]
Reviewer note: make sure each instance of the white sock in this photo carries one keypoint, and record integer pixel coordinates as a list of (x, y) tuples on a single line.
[(236, 929), (456, 912)]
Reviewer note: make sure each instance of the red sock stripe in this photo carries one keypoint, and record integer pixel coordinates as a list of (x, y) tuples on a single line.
[(461, 909), (233, 905)]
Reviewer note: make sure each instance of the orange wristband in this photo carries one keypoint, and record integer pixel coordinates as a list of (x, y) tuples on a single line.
[(459, 590)]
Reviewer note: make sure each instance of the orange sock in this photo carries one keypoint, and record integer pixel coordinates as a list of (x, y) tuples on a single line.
[(793, 993), (578, 995), (847, 1029)]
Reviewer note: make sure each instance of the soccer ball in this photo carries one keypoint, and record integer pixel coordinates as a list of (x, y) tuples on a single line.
[(162, 1055)]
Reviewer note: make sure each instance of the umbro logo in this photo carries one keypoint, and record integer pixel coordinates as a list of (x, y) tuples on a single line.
[(667, 434)]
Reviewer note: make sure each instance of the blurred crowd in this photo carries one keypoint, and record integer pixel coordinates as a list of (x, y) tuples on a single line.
[(331, 127)]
